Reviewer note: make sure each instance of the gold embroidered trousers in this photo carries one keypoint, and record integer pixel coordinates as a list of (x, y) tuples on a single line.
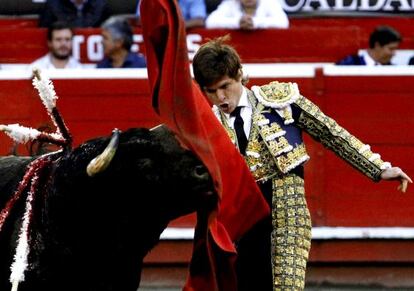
[(291, 235)]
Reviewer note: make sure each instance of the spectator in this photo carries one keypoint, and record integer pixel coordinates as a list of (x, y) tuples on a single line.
[(194, 12), (248, 15), (59, 42), (77, 13), (117, 41), (383, 42)]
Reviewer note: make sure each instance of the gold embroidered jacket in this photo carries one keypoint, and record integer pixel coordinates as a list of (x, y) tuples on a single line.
[(275, 144)]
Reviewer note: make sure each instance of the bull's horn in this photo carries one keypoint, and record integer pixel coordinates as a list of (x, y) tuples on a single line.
[(102, 161)]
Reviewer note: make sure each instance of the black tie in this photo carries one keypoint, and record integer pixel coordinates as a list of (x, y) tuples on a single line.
[(238, 127)]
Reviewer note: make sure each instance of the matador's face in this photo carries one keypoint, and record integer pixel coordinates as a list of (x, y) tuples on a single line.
[(225, 93)]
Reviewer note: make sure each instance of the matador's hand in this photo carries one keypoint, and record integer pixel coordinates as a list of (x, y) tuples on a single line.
[(396, 173)]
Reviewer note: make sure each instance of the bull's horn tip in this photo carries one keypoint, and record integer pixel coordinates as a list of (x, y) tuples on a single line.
[(102, 161)]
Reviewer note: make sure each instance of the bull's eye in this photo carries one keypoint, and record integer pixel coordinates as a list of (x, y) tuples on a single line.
[(200, 171)]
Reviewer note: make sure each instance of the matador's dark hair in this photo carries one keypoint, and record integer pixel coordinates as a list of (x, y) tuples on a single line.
[(214, 60)]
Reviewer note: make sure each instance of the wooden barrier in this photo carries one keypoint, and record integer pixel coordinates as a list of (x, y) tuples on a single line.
[(375, 104)]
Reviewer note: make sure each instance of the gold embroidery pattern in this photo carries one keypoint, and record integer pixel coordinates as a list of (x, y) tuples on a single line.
[(336, 138), (356, 143), (292, 159), (260, 119), (291, 236), (272, 131), (287, 115), (268, 151), (259, 159), (279, 146), (230, 132), (278, 94)]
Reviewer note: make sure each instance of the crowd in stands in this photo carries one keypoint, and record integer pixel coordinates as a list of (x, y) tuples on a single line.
[(61, 16)]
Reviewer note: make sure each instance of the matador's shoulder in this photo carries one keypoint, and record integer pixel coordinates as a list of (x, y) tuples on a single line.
[(277, 94)]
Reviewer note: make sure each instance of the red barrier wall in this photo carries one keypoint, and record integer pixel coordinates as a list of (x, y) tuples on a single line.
[(376, 108), (90, 107)]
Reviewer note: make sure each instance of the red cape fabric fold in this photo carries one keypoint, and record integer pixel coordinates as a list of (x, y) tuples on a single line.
[(183, 108)]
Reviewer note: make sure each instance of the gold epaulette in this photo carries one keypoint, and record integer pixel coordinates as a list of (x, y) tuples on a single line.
[(277, 94)]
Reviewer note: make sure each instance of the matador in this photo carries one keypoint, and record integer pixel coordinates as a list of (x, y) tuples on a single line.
[(266, 124)]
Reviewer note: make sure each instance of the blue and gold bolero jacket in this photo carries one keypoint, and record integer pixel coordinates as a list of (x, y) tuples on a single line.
[(275, 146)]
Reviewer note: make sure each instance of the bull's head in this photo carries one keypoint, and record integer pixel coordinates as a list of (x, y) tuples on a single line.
[(161, 160)]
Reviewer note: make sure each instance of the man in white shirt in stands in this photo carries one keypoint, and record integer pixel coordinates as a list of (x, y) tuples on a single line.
[(248, 15), (59, 42)]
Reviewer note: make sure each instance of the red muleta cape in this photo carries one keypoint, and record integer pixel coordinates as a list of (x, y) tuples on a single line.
[(183, 108)]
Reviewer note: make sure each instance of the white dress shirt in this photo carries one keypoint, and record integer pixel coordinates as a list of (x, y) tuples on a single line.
[(245, 113), (46, 63)]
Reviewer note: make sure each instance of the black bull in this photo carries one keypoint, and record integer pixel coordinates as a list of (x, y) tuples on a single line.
[(92, 233)]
